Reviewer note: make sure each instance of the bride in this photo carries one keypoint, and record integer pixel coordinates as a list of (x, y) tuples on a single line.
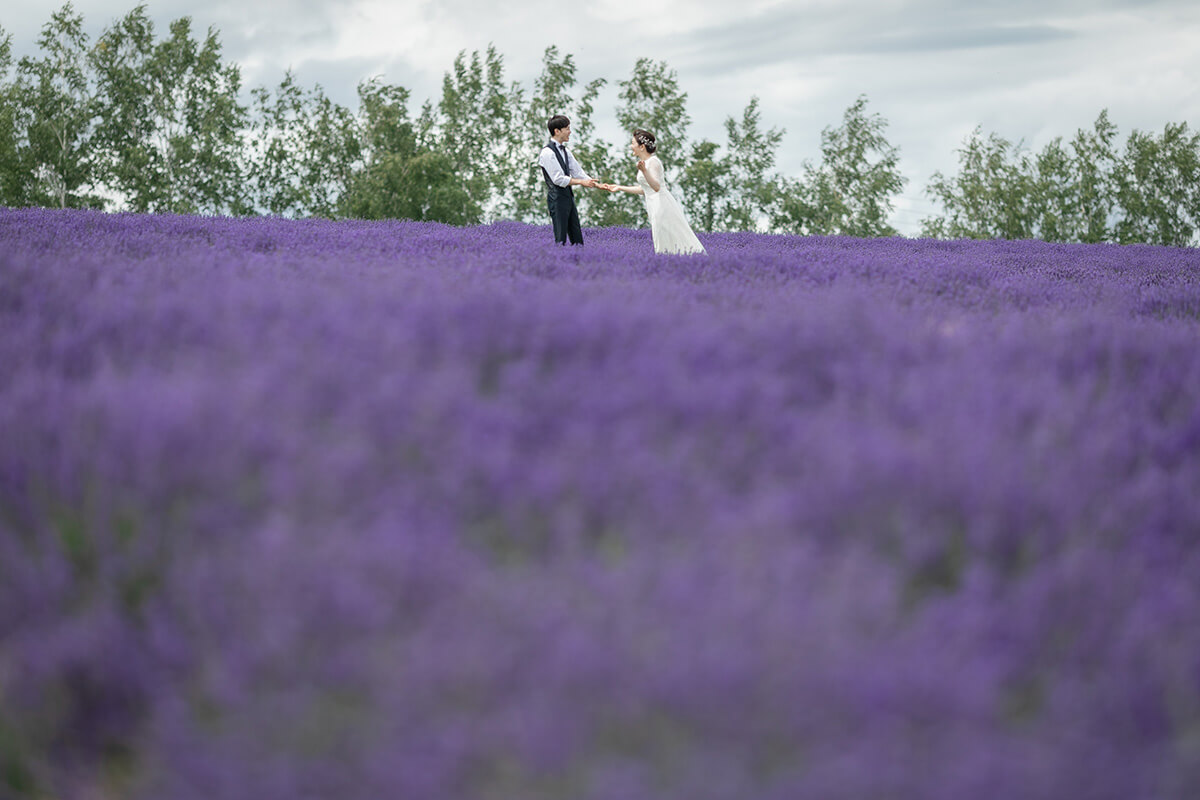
[(668, 226)]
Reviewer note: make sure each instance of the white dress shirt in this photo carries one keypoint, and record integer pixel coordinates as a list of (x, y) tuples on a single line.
[(549, 162)]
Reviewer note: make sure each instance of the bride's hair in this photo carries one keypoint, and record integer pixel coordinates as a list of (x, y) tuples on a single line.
[(645, 139)]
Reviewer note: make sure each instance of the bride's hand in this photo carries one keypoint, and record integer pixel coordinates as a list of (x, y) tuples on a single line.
[(642, 166)]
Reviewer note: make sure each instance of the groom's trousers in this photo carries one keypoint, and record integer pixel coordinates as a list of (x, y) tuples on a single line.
[(563, 214)]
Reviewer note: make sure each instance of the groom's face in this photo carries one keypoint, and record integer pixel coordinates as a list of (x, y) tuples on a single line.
[(562, 134)]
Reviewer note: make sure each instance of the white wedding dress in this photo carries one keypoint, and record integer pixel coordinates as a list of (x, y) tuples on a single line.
[(668, 225)]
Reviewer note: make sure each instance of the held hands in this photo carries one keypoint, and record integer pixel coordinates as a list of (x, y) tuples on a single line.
[(593, 183), (608, 187)]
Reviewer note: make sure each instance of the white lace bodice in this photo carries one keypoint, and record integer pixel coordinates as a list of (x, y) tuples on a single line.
[(655, 167)]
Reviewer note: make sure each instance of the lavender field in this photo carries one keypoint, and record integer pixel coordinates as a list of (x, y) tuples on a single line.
[(305, 509)]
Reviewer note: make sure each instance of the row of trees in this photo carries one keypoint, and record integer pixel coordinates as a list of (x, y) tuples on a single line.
[(155, 123), (1085, 190), (158, 124)]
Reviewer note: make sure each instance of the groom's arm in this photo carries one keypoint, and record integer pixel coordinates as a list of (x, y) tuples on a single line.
[(578, 176), (548, 161)]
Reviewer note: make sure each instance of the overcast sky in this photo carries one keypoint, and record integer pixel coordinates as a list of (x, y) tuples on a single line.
[(934, 69)]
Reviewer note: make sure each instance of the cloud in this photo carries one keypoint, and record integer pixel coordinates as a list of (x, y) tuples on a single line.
[(789, 36), (941, 40), (934, 69)]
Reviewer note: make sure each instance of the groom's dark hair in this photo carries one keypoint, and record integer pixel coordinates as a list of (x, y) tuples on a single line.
[(557, 122)]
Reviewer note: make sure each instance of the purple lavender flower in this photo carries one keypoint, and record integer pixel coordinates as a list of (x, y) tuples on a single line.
[(310, 509)]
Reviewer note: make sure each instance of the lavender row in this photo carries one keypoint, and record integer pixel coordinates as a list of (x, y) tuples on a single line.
[(312, 509)]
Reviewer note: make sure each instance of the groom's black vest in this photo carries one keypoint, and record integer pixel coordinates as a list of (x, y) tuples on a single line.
[(552, 188)]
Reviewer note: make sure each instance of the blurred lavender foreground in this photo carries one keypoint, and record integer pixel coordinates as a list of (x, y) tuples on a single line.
[(398, 510)]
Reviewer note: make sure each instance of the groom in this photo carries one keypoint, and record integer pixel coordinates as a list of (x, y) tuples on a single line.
[(562, 171)]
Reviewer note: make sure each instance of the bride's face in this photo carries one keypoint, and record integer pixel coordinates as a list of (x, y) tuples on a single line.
[(637, 149)]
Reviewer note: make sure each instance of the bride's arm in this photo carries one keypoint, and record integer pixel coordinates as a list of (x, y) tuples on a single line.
[(653, 172), (629, 189)]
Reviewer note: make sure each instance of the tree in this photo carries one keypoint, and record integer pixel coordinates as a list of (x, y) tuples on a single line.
[(52, 111), (12, 177), (401, 178), (1158, 188), (171, 127), (477, 118), (1072, 186), (384, 126), (425, 187), (1081, 192), (1092, 201), (1065, 193), (651, 100), (850, 192), (124, 114), (991, 197), (751, 192), (705, 184), (306, 148), (1054, 192)]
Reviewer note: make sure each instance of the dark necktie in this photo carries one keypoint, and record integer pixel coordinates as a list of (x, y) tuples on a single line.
[(562, 148)]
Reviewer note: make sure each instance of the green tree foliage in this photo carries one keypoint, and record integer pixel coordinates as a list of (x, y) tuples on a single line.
[(1158, 188), (53, 119), (1084, 191), (384, 126), (305, 149), (736, 191), (124, 114), (385, 190), (1065, 193), (751, 191), (11, 184), (170, 125), (850, 192), (476, 119), (401, 178), (652, 100), (993, 196), (705, 183), (1074, 186)]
